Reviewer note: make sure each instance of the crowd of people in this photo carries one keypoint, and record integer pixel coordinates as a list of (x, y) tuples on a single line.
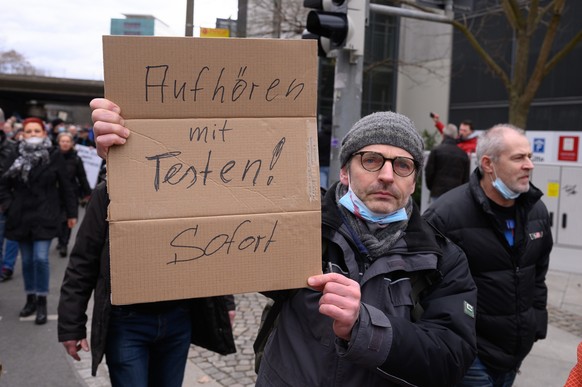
[(42, 181)]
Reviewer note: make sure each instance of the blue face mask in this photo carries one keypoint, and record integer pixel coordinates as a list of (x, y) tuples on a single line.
[(504, 190), (353, 204)]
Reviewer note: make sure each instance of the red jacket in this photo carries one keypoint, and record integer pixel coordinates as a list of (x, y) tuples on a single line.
[(469, 145)]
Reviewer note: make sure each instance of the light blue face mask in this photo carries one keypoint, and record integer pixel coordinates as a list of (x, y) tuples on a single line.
[(353, 204), (504, 190)]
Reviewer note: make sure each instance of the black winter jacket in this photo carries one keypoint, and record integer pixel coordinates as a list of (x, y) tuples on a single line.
[(33, 209), (447, 167), (386, 348), (511, 308), (88, 272), (7, 150), (76, 173)]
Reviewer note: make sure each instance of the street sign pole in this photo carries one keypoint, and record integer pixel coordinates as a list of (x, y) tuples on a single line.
[(347, 103)]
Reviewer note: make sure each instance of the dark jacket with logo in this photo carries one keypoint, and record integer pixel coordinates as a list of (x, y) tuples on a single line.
[(88, 272), (511, 309), (386, 346)]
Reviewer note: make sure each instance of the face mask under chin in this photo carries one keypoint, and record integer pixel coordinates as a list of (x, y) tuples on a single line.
[(355, 205), (503, 189)]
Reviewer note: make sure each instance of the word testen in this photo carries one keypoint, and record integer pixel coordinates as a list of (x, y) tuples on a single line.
[(170, 168)]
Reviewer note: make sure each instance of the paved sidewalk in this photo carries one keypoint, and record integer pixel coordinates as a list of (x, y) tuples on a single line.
[(547, 365)]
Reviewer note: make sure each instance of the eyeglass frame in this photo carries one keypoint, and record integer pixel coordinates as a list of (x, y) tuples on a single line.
[(361, 154)]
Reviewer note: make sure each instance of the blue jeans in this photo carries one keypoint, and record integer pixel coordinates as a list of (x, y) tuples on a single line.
[(35, 266), (147, 349), (479, 375), (8, 252)]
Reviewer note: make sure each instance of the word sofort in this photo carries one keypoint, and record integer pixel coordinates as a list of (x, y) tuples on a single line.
[(190, 248), (214, 85), (170, 169)]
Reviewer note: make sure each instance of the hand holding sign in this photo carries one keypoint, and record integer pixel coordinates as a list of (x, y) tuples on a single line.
[(107, 125)]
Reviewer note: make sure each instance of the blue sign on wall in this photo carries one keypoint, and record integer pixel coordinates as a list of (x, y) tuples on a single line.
[(539, 145)]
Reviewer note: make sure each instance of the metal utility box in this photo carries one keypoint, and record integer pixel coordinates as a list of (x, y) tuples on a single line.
[(562, 188)]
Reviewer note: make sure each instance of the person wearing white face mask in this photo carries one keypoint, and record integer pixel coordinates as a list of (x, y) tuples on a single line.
[(502, 225), (31, 191)]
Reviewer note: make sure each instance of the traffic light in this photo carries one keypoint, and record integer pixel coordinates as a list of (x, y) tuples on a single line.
[(328, 23), (337, 24)]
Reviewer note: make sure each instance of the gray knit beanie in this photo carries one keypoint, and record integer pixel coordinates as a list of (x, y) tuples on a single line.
[(387, 128)]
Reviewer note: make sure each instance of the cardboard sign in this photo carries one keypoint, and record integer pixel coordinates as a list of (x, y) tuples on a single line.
[(217, 189)]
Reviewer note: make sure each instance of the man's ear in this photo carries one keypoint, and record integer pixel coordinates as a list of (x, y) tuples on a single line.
[(486, 164), (344, 176)]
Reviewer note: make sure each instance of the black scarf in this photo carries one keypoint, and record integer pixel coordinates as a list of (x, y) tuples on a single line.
[(30, 155)]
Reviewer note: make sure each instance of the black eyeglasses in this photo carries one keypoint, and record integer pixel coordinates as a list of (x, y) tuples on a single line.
[(374, 161)]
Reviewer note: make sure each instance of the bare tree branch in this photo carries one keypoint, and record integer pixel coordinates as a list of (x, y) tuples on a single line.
[(495, 68)]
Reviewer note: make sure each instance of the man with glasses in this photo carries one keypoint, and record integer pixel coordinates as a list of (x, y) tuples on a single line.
[(394, 305)]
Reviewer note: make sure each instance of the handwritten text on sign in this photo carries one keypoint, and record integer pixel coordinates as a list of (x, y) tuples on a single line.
[(168, 168), (216, 190), (243, 237), (215, 86), (213, 167)]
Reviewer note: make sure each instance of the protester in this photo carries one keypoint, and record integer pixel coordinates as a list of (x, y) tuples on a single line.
[(8, 126), (83, 138), (73, 130), (57, 126), (144, 344), (354, 326), (9, 253), (437, 122), (18, 135), (75, 172), (8, 248), (31, 192), (447, 166), (467, 137), (502, 225)]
